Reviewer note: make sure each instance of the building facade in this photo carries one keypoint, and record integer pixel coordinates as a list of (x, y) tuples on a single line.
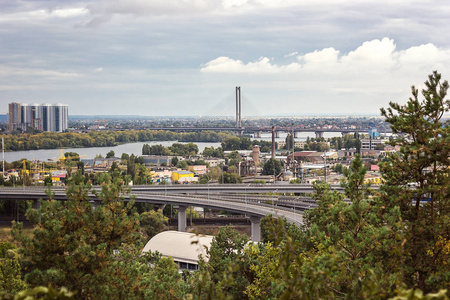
[(45, 117)]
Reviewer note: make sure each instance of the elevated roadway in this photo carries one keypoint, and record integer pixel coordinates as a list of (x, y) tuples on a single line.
[(244, 199)]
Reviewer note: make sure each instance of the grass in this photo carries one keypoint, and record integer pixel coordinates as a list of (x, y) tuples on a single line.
[(5, 234)]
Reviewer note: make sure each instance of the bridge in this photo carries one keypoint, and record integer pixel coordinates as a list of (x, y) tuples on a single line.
[(257, 131), (244, 199)]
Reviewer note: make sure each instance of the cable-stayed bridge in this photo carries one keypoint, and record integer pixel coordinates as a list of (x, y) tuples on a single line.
[(224, 108)]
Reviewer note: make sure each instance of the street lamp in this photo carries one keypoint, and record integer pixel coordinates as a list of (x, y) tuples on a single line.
[(325, 165)]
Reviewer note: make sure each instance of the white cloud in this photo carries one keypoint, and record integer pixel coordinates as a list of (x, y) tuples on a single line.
[(291, 54), (372, 57), (41, 73), (262, 66), (42, 14)]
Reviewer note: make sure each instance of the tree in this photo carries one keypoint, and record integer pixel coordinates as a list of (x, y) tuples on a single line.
[(153, 222), (72, 243), (233, 158), (125, 156), (227, 258), (231, 144), (226, 177), (289, 141), (110, 154), (423, 160), (272, 167), (174, 161), (10, 276)]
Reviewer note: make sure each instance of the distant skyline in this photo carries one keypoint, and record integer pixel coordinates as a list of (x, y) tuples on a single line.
[(185, 57)]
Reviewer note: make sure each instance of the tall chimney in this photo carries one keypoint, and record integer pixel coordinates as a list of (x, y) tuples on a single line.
[(273, 142), (237, 107)]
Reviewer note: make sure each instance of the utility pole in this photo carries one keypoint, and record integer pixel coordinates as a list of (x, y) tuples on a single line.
[(293, 145), (3, 151), (238, 109)]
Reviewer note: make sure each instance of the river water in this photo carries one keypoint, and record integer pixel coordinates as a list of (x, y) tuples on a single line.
[(132, 148)]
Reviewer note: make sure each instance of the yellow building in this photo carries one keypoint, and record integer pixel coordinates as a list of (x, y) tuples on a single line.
[(177, 175), (373, 179)]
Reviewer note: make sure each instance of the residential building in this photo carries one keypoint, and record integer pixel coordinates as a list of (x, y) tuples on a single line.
[(371, 144), (46, 117)]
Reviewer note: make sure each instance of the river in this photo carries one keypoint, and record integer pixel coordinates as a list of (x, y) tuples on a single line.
[(131, 148)]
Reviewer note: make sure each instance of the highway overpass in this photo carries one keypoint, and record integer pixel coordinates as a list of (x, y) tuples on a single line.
[(244, 199)]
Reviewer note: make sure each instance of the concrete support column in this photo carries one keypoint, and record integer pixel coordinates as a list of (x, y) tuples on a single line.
[(181, 217), (277, 134), (256, 228), (319, 134), (36, 204), (94, 203), (257, 134), (296, 134)]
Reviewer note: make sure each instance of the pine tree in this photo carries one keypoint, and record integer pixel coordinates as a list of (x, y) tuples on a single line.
[(73, 242), (417, 181)]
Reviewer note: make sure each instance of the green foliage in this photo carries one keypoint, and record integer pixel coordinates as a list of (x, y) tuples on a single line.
[(191, 212), (272, 167), (204, 179), (4, 247), (72, 242), (211, 152), (346, 142), (423, 160), (236, 143), (416, 294), (110, 154), (10, 276), (48, 180), (188, 149), (176, 149), (338, 168), (174, 160), (153, 222), (45, 293), (226, 177), (55, 140), (289, 142), (228, 266)]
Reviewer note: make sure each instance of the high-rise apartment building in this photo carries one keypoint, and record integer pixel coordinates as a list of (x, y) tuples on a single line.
[(46, 117)]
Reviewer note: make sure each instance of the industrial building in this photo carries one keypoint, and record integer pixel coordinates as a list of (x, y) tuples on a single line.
[(184, 248), (45, 117)]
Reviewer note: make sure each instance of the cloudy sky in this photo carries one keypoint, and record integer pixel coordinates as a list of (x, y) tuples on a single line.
[(185, 57)]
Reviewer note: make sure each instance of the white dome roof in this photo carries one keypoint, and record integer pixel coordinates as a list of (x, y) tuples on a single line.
[(181, 246)]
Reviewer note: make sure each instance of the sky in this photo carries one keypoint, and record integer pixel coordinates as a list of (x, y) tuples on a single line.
[(185, 57)]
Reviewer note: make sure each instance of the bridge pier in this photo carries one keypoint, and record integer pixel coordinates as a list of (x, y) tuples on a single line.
[(181, 217), (37, 205), (256, 228), (94, 203), (277, 134), (296, 134), (319, 134), (257, 134)]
